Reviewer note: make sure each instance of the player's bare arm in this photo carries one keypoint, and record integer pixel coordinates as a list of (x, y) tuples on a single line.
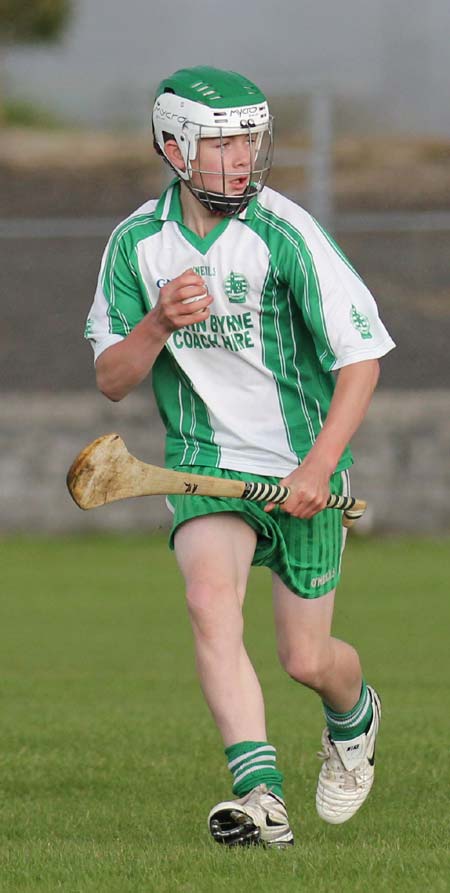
[(309, 483), (121, 367)]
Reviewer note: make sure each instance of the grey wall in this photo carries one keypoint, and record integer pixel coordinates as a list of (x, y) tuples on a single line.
[(402, 461)]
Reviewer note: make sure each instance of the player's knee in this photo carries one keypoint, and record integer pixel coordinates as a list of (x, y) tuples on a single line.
[(308, 666), (213, 608)]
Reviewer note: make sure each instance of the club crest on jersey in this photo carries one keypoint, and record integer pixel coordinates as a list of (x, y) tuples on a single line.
[(360, 323), (236, 288)]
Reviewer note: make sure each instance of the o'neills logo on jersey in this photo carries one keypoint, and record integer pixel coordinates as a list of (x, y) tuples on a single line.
[(205, 271), (236, 288)]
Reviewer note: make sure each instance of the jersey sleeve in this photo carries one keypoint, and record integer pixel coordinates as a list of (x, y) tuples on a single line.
[(338, 308), (119, 303)]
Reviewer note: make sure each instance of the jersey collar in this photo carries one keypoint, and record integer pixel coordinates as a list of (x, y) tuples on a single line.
[(169, 204)]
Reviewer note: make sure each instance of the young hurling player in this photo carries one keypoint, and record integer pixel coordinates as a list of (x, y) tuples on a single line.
[(243, 307)]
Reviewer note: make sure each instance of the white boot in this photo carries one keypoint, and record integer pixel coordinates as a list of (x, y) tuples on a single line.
[(347, 773), (258, 818)]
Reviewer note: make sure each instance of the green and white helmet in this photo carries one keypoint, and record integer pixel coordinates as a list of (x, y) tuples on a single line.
[(202, 102)]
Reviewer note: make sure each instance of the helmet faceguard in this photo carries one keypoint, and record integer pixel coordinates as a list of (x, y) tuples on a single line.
[(201, 103)]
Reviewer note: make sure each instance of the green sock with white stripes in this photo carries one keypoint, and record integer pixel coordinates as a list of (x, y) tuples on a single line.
[(253, 763), (345, 726)]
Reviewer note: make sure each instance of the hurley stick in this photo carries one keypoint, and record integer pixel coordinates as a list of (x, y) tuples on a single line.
[(105, 471)]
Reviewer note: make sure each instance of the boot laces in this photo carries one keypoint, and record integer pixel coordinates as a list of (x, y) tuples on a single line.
[(348, 779)]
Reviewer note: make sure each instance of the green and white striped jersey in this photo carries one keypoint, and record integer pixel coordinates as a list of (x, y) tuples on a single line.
[(248, 389)]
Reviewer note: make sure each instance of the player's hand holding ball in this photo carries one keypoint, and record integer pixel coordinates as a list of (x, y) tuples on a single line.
[(182, 302)]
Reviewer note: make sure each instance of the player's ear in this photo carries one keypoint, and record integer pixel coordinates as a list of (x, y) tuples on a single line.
[(174, 155)]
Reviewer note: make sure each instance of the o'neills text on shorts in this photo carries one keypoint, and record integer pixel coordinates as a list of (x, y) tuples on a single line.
[(325, 578)]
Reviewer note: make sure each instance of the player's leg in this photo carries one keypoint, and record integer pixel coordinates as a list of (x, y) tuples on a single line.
[(309, 653), (331, 667), (215, 553)]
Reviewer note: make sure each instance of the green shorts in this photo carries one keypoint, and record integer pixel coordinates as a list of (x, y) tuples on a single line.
[(305, 553)]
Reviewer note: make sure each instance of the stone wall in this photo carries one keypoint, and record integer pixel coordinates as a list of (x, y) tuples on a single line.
[(402, 457)]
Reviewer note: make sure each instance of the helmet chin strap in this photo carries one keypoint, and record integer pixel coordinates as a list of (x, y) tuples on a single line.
[(220, 203)]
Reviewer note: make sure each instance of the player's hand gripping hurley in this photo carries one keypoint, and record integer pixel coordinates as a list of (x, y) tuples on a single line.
[(105, 471)]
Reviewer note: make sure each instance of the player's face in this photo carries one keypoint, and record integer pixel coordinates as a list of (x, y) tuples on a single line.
[(224, 164)]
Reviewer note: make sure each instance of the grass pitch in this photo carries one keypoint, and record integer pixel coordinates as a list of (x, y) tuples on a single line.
[(109, 759)]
